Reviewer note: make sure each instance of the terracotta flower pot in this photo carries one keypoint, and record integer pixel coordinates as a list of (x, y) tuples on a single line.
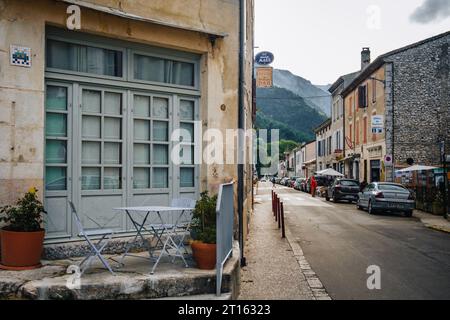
[(204, 255), (21, 250)]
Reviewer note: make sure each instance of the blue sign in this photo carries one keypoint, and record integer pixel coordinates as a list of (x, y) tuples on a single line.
[(264, 58)]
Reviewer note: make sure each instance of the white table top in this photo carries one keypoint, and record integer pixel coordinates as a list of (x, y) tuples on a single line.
[(153, 209)]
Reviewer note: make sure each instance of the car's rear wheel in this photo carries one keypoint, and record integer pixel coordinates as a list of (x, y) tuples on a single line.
[(370, 208), (409, 213), (335, 200)]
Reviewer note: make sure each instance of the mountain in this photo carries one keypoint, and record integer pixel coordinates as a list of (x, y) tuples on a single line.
[(324, 87), (282, 109), (316, 97)]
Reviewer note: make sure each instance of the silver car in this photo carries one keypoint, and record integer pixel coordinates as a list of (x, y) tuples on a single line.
[(382, 196)]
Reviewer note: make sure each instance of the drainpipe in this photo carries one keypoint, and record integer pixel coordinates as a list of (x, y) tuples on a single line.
[(241, 128)]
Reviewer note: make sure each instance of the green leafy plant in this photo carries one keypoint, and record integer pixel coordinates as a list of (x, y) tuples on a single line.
[(25, 216), (204, 219)]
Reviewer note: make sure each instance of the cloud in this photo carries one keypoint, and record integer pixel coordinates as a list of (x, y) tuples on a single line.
[(430, 11)]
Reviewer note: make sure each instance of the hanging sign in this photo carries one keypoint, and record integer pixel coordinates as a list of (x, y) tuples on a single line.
[(264, 77), (264, 58)]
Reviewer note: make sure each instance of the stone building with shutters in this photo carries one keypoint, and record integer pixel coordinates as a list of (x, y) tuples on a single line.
[(399, 105), (88, 115)]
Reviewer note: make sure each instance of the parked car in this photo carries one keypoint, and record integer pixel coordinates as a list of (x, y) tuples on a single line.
[(343, 189), (291, 182), (298, 183), (382, 196), (303, 185), (284, 181)]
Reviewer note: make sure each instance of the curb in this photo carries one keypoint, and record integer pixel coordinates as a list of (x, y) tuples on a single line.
[(318, 290), (436, 227)]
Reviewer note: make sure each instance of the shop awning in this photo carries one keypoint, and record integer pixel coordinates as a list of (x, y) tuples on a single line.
[(416, 168), (123, 14)]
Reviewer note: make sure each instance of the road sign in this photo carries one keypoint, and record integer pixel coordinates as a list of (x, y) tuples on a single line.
[(264, 77), (388, 160)]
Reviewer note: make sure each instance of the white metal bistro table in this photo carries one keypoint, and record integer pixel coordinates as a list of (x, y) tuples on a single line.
[(157, 230)]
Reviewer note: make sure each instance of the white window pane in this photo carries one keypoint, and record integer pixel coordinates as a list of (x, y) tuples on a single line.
[(187, 132), (92, 101), (55, 179), (112, 153), (56, 125), (160, 178), (56, 98), (56, 151), (142, 154), (112, 179), (113, 128), (187, 109), (187, 155), (141, 130), (187, 177), (160, 131), (161, 108), (160, 154), (90, 179), (91, 153), (142, 106), (113, 103), (91, 127), (141, 179)]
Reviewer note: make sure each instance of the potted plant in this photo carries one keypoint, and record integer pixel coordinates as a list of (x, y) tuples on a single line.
[(438, 204), (203, 232), (22, 237)]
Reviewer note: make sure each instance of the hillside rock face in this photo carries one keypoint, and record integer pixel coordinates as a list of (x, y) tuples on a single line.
[(294, 116), (316, 97)]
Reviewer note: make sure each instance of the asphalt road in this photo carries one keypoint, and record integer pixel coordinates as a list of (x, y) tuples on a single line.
[(341, 242)]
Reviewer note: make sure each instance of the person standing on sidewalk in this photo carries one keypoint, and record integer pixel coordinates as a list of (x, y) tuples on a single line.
[(313, 186)]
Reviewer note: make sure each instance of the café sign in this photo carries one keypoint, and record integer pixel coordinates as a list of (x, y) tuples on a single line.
[(264, 58)]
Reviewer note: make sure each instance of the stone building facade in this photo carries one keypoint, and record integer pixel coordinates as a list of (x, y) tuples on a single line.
[(88, 120), (413, 98)]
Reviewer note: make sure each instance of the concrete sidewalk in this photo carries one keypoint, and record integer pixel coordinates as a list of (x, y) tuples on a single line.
[(273, 269), (438, 223)]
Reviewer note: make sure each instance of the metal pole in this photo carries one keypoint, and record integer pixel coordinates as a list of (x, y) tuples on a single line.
[(283, 229), (241, 124)]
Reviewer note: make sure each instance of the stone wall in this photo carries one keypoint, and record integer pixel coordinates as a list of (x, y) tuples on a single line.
[(421, 101)]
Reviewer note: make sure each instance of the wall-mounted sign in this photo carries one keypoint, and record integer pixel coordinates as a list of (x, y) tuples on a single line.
[(377, 121), (20, 56), (264, 58), (377, 124), (264, 77), (377, 130)]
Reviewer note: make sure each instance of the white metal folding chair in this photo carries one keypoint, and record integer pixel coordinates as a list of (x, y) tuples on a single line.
[(184, 223), (96, 248)]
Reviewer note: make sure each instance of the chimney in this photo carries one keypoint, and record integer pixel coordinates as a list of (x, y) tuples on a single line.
[(365, 58)]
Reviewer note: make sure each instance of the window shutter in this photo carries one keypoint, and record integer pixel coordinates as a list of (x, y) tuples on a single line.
[(362, 96)]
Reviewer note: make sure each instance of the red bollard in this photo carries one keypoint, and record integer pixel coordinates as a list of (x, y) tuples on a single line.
[(283, 229), (273, 202), (277, 205), (279, 215)]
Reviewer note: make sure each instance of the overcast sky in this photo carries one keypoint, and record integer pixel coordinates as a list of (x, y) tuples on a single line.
[(322, 39)]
